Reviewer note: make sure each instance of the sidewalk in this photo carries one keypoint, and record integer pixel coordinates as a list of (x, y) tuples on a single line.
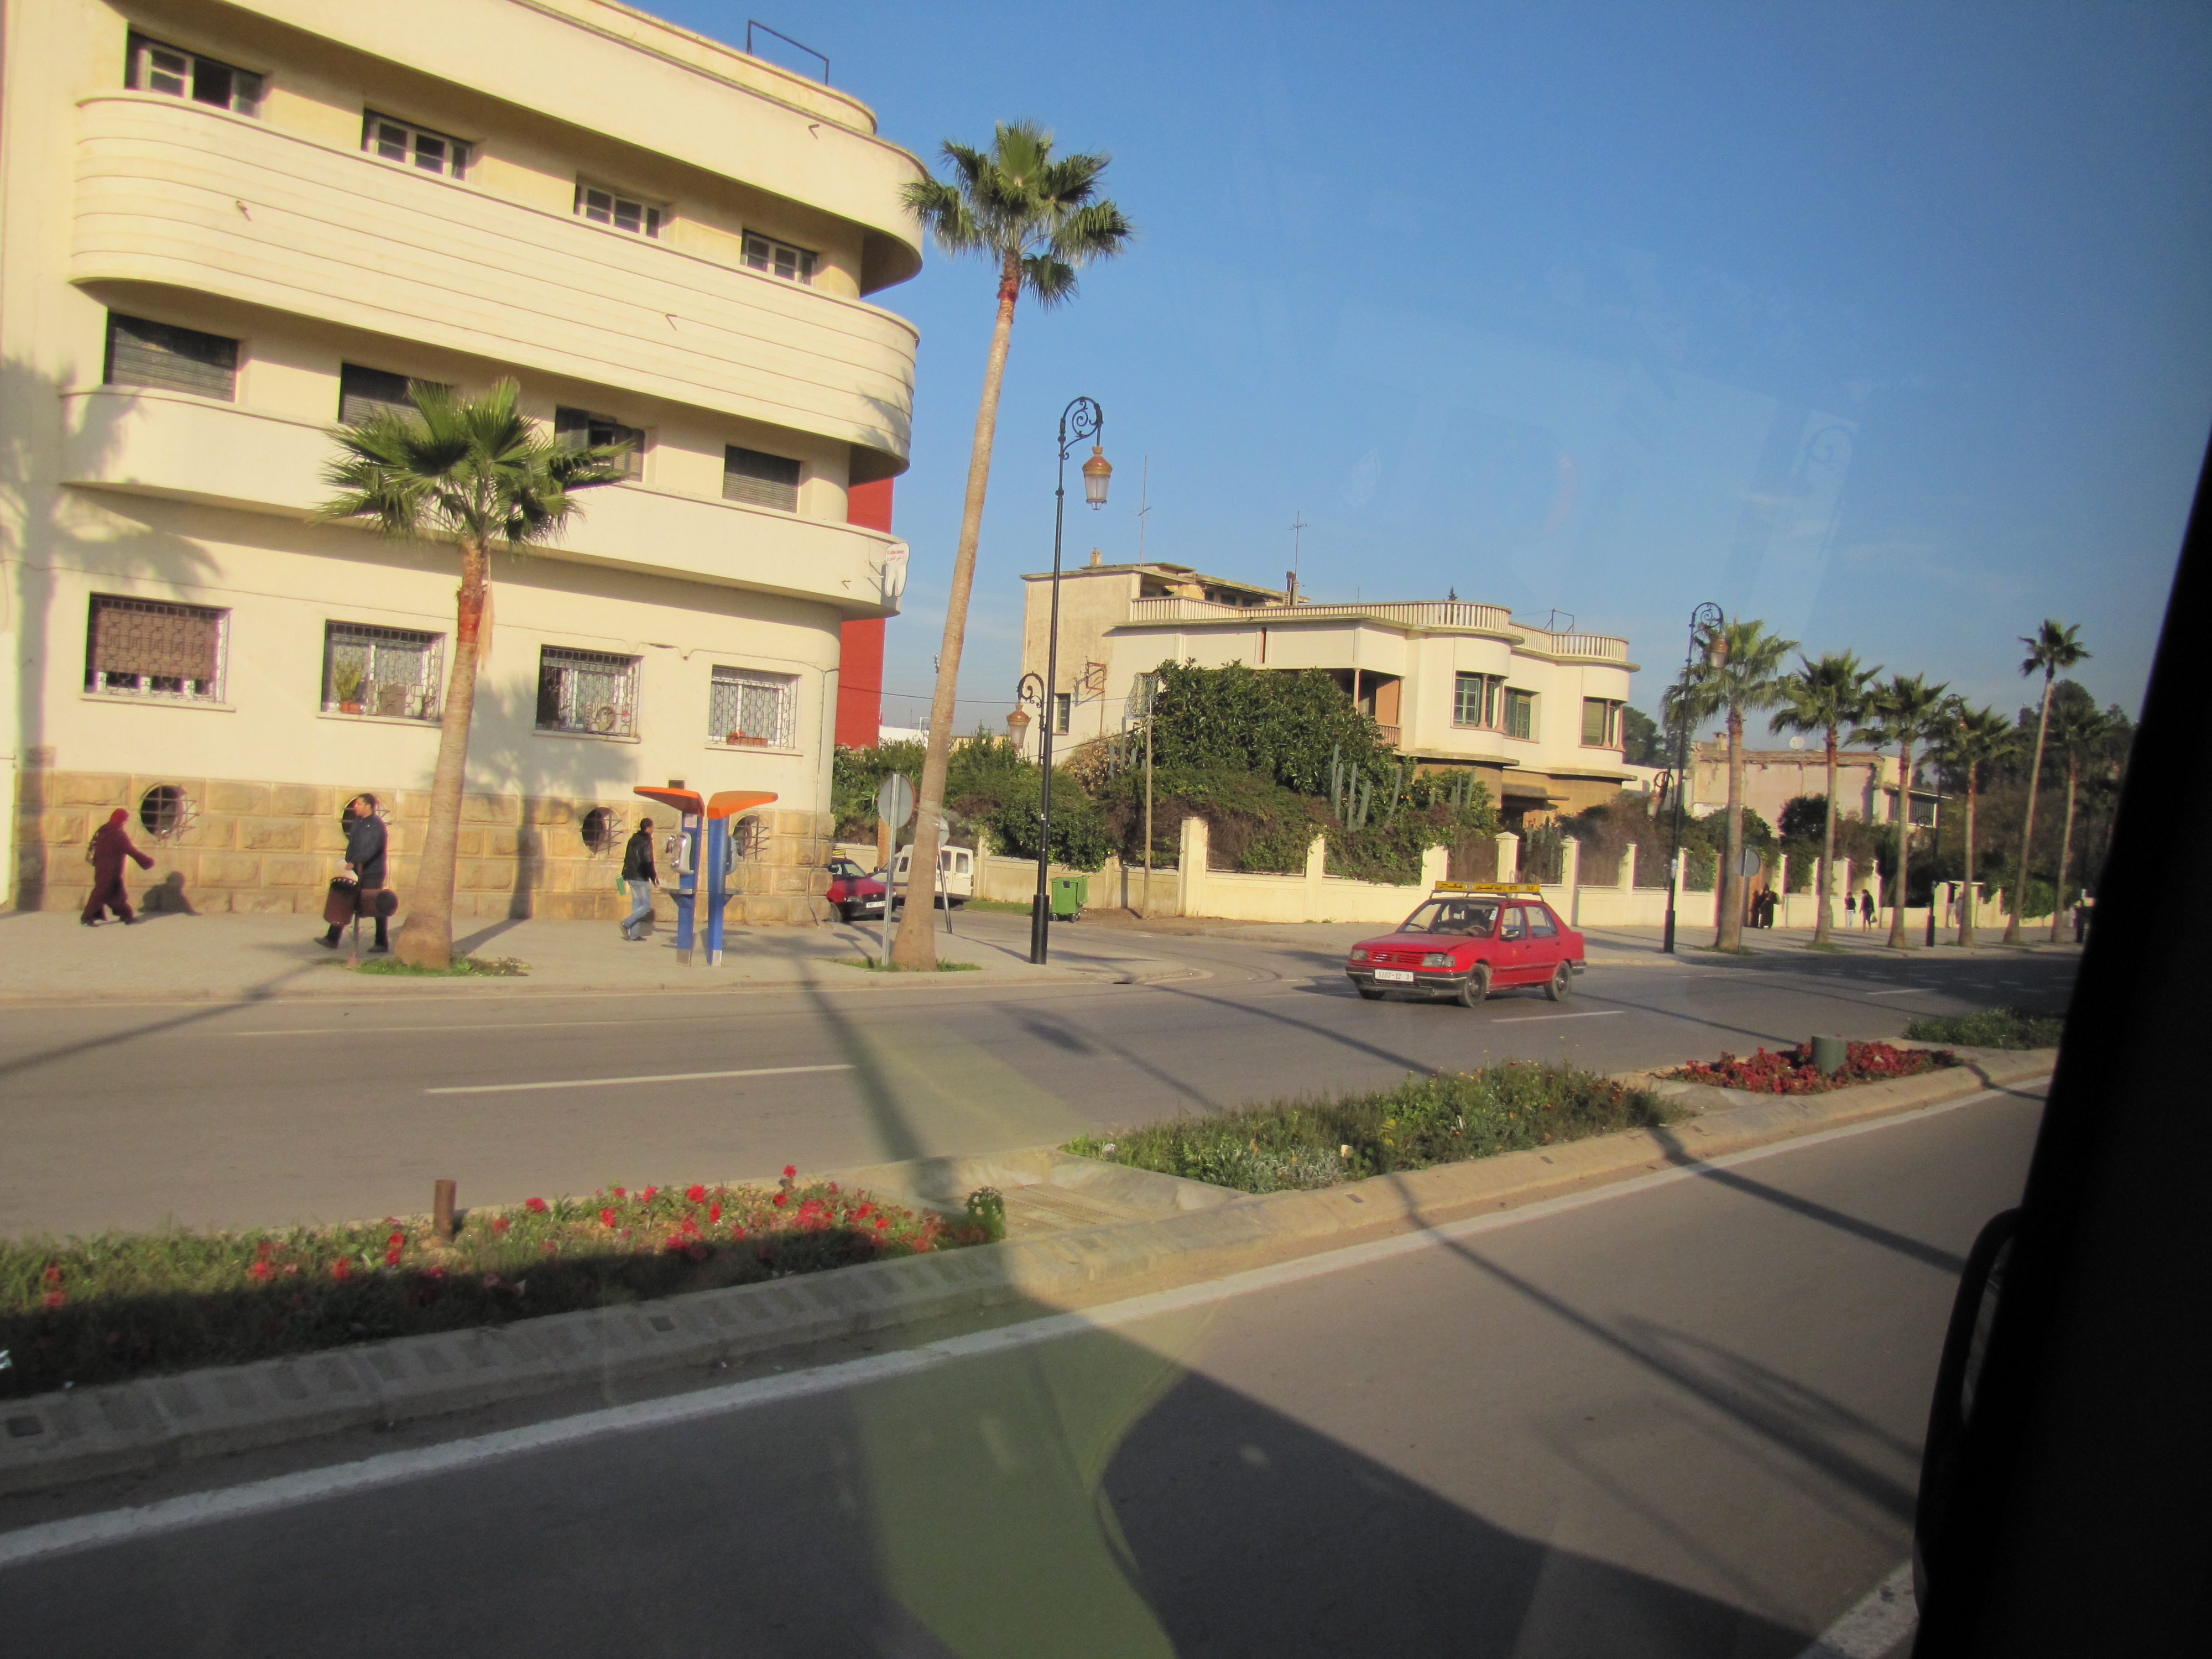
[(46, 957)]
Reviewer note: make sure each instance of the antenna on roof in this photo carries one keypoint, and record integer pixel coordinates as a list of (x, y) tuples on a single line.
[(1298, 526), (1142, 511)]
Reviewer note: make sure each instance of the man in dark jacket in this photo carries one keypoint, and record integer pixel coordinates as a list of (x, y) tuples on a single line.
[(111, 845), (637, 869), (365, 843)]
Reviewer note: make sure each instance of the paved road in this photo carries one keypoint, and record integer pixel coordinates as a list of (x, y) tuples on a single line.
[(1680, 1419), (240, 1114)]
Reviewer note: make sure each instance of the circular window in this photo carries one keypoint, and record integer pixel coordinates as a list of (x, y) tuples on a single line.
[(601, 827), (161, 809)]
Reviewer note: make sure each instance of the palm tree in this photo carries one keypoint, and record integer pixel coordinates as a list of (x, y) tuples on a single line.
[(474, 470), (2081, 732), (1910, 711), (1741, 674), (1826, 697), (1977, 737), (1036, 219), (2051, 647)]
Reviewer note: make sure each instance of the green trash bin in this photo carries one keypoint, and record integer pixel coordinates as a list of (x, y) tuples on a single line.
[(1069, 894)]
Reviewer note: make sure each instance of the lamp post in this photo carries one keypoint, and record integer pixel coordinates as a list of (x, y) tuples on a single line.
[(1081, 419), (1704, 621)]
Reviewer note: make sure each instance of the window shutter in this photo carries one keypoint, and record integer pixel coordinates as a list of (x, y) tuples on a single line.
[(362, 391), (764, 480), (141, 353), (136, 637)]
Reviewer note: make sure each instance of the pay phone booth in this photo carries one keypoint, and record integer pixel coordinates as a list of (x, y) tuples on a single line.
[(702, 860)]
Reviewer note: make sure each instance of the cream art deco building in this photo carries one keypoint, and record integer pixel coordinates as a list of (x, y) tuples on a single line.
[(228, 226), (1535, 714)]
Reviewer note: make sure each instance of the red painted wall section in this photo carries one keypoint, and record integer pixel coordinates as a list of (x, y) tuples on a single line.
[(861, 660)]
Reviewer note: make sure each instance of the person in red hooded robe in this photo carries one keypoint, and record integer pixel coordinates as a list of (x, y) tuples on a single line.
[(111, 845)]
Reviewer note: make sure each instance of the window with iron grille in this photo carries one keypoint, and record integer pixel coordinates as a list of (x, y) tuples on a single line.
[(764, 480), (793, 265), (591, 691), (1519, 714), (406, 143), (747, 706), (393, 672), (151, 648), (582, 430), (153, 67), (169, 358), (603, 206)]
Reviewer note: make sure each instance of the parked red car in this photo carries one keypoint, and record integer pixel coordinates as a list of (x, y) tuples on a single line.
[(853, 891), (1468, 940)]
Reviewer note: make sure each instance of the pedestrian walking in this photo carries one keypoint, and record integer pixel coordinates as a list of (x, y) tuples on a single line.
[(365, 847), (1866, 910), (109, 847), (638, 872)]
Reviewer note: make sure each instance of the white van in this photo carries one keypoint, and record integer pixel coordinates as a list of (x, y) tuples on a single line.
[(957, 865)]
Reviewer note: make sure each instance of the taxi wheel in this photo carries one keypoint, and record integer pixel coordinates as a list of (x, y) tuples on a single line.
[(1369, 994), (845, 913), (1561, 983), (1476, 991)]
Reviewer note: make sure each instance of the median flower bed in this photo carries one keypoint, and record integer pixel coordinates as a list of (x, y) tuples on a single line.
[(122, 1305), (1283, 1145), (1791, 1071)]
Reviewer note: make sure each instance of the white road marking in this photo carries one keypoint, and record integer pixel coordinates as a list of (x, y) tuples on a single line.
[(610, 1082), (112, 1527), (1909, 991), (1594, 1013), (505, 1025), (1877, 1627)]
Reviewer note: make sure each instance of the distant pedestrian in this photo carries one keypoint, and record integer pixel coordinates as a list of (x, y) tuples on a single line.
[(637, 869), (110, 846), (1866, 908), (365, 847)]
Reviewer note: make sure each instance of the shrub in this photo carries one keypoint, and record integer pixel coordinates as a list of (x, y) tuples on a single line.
[(1991, 1027)]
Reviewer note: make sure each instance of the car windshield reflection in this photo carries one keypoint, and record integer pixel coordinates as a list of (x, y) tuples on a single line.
[(1453, 916)]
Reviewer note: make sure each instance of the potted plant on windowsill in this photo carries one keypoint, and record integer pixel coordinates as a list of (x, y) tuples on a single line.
[(741, 738), (346, 678)]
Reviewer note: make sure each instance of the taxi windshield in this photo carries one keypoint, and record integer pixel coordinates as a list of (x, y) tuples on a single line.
[(1453, 916)]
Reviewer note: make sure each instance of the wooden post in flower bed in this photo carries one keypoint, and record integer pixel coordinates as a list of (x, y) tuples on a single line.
[(441, 1210)]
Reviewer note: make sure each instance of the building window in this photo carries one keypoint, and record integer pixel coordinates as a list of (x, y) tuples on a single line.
[(764, 480), (171, 358), (149, 648), (1478, 700), (389, 671), (1063, 708), (580, 430), (602, 829), (365, 391), (1600, 723), (406, 143), (1519, 714), (793, 265), (156, 68), (752, 709), (164, 810), (589, 691), (604, 207)]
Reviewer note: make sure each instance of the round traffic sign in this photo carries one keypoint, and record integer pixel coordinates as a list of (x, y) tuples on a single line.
[(1748, 862), (895, 800)]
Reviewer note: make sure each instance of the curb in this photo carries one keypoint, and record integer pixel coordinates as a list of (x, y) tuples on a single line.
[(1189, 1233)]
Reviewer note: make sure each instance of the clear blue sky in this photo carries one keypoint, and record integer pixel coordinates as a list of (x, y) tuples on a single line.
[(1891, 323)]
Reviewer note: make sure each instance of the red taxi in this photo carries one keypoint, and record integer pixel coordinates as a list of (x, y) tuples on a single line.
[(1468, 940)]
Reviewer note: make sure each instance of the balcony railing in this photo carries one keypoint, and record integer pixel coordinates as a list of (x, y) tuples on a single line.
[(1422, 613), (179, 193)]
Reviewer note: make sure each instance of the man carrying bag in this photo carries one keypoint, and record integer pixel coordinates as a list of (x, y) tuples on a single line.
[(638, 874), (365, 845)]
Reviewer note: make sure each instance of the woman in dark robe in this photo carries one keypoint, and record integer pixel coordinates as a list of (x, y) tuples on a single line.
[(111, 845)]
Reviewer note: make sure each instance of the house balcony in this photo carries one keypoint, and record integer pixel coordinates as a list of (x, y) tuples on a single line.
[(181, 194), (186, 448)]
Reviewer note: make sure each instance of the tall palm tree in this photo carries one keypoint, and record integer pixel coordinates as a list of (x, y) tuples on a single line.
[(1827, 697), (2053, 647), (1977, 737), (2082, 732), (1036, 219), (1743, 674), (473, 471), (1910, 711)]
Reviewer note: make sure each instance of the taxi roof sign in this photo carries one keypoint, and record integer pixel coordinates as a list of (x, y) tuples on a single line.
[(1489, 887)]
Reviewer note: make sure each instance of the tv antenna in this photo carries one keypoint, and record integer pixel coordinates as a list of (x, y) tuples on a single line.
[(1146, 485), (1298, 528)]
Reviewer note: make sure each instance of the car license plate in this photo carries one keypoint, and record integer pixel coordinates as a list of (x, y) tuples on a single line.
[(1398, 974)]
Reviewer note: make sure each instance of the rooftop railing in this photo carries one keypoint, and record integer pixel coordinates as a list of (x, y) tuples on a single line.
[(1419, 613)]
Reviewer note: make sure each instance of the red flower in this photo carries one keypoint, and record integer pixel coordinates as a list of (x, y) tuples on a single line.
[(881, 1224), (789, 1170), (864, 1211), (55, 1298), (714, 1212), (391, 1256), (619, 1193), (500, 1224), (606, 1218), (396, 1239), (833, 1185), (53, 1273), (535, 1205), (259, 1270), (697, 1194), (343, 1268), (779, 1198), (645, 1197), (690, 1225)]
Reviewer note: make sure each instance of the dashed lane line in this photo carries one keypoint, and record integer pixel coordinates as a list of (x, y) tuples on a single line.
[(615, 1082)]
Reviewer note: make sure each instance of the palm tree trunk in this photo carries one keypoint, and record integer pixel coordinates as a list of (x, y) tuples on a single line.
[(1966, 899), (2027, 825), (1903, 831), (2065, 844), (427, 940), (916, 947), (1822, 923), (1729, 934)]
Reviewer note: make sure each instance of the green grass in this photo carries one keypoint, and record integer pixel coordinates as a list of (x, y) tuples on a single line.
[(997, 907), (876, 967), (122, 1305), (1991, 1027), (1283, 1145), (460, 968)]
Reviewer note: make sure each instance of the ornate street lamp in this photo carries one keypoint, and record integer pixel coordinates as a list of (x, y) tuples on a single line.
[(1704, 626), (1030, 690), (1082, 419)]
